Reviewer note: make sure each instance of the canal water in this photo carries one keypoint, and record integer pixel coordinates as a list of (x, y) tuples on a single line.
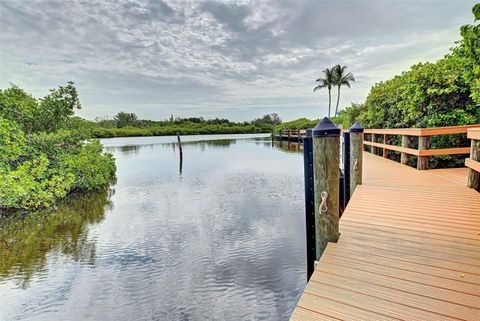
[(222, 239)]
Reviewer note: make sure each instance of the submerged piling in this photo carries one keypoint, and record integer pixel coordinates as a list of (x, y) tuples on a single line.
[(181, 152)]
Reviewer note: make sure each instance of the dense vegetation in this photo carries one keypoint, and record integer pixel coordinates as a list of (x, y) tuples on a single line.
[(128, 124), (45, 152)]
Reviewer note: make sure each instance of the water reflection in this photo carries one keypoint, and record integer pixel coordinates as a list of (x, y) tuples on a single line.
[(289, 147), (226, 241), (26, 239)]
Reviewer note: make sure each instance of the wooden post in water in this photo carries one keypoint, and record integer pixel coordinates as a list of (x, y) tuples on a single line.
[(405, 143), (423, 143), (181, 152), (474, 176), (326, 168), (309, 203), (356, 156)]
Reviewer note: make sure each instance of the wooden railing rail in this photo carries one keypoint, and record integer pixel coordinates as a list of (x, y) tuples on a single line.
[(423, 134), (473, 163)]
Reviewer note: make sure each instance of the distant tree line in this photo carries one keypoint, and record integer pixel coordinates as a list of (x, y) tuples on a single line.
[(123, 119), (128, 124)]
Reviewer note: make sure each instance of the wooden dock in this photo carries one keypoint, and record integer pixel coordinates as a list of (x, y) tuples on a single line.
[(409, 249)]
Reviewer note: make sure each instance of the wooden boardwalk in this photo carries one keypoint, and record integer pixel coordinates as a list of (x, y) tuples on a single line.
[(409, 249)]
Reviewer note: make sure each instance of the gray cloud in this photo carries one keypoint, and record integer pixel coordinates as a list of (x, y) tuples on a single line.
[(235, 59)]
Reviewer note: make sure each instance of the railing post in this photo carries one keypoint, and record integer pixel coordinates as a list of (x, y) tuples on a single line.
[(405, 143), (289, 133), (374, 140), (326, 161), (309, 203), (298, 135), (356, 156), (423, 143), (385, 141), (474, 176)]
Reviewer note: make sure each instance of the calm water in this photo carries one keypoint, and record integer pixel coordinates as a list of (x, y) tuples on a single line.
[(223, 240)]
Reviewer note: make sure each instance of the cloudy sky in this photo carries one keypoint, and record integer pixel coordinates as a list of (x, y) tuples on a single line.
[(234, 59)]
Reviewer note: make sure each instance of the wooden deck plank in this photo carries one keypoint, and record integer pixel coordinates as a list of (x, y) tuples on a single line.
[(389, 294), (399, 282), (418, 267), (390, 309), (409, 249), (394, 270)]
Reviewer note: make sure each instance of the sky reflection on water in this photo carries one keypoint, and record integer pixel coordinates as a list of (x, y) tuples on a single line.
[(222, 241)]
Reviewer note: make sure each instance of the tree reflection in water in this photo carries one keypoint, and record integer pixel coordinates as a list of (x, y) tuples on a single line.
[(26, 239)]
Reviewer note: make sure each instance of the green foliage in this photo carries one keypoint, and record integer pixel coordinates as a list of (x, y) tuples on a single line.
[(342, 78), (45, 154), (301, 123), (186, 128), (34, 115), (124, 119), (106, 128), (470, 48)]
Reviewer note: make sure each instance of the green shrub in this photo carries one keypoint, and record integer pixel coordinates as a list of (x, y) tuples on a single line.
[(43, 160)]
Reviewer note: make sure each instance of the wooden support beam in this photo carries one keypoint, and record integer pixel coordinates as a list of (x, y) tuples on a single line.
[(326, 164), (356, 157), (405, 143), (374, 140), (422, 161), (474, 175), (385, 141)]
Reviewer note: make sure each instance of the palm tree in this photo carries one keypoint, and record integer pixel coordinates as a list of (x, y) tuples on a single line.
[(341, 78), (327, 81)]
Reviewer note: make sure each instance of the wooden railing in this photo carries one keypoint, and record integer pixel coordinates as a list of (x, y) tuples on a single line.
[(473, 163), (290, 133), (423, 151)]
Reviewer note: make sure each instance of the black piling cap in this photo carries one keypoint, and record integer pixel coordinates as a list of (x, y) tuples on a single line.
[(309, 132), (356, 128), (325, 128)]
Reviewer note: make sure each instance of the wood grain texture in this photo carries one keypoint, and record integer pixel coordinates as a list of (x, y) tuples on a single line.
[(423, 144), (424, 131), (474, 165), (326, 174), (409, 249), (356, 160), (405, 143), (474, 133)]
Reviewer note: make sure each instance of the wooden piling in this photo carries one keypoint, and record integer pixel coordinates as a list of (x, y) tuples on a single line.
[(473, 175), (326, 159), (405, 144), (422, 161), (181, 153), (356, 156)]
